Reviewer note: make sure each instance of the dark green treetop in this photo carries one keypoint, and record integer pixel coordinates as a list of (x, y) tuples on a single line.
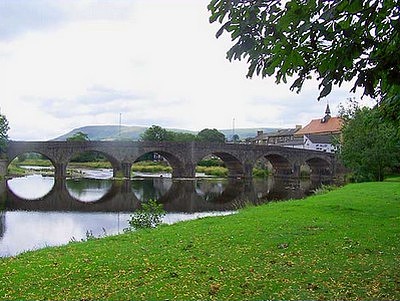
[(370, 146), (4, 127), (210, 135), (79, 136)]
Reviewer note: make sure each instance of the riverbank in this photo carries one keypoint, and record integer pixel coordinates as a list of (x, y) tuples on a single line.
[(339, 245)]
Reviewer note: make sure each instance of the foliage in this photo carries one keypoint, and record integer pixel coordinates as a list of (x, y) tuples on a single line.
[(323, 189), (211, 161), (370, 146), (183, 137), (88, 156), (236, 138), (339, 41), (261, 172), (78, 136), (217, 171), (326, 247), (4, 127), (211, 135), (156, 133), (148, 216), (151, 167)]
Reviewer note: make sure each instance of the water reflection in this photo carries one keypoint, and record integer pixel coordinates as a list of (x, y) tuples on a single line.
[(37, 193), (90, 190), (31, 187), (37, 211)]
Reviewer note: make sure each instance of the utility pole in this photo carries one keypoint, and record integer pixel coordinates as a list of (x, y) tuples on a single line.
[(233, 128), (119, 129)]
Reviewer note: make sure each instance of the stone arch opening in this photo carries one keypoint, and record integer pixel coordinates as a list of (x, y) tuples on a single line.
[(233, 167), (32, 175), (280, 165), (92, 164), (319, 167), (27, 163), (158, 164)]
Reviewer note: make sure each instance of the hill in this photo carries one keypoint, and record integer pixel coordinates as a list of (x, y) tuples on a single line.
[(116, 132)]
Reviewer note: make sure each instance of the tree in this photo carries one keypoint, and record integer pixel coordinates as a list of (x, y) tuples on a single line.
[(156, 133), (88, 156), (79, 136), (338, 41), (3, 133), (183, 137), (211, 135), (370, 146)]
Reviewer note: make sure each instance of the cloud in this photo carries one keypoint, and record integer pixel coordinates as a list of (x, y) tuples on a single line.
[(76, 63), (19, 16)]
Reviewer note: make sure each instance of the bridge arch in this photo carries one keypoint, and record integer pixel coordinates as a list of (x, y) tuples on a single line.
[(319, 166), (232, 163), (15, 156), (179, 169), (115, 164), (281, 164)]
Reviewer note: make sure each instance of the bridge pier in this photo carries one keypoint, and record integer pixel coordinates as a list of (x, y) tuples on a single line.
[(123, 170), (296, 171), (187, 171), (248, 170), (60, 170), (3, 168)]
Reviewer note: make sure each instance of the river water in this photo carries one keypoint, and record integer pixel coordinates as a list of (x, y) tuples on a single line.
[(36, 211)]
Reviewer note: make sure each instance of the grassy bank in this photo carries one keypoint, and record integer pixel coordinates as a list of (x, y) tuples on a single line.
[(339, 245)]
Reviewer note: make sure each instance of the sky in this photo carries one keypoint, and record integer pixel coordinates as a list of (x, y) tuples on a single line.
[(69, 64)]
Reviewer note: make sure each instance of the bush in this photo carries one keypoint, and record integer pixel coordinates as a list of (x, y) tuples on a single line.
[(149, 216)]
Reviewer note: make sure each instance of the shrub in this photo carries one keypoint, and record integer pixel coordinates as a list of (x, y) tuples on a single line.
[(148, 216)]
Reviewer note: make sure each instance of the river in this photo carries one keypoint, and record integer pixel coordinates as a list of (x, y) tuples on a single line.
[(36, 211)]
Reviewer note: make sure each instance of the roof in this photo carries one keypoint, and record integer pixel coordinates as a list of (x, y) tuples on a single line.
[(322, 126), (325, 139), (283, 132), (295, 141)]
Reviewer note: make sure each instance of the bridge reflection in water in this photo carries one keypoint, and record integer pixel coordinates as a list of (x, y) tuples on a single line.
[(175, 195)]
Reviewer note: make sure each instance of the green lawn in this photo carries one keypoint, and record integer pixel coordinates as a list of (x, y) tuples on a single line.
[(341, 245)]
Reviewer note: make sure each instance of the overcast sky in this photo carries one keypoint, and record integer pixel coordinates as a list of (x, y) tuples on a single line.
[(67, 64)]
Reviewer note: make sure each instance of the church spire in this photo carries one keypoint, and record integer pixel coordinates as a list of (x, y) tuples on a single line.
[(327, 111), (327, 114)]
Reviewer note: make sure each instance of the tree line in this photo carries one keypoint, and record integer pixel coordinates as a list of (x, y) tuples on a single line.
[(157, 133)]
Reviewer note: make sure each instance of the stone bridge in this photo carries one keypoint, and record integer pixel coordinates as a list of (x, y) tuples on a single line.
[(183, 157)]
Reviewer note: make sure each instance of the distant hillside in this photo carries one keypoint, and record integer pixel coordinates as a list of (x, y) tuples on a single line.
[(115, 132)]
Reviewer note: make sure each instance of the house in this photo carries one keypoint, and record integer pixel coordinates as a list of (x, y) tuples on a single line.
[(320, 134), (261, 138), (322, 143), (281, 137)]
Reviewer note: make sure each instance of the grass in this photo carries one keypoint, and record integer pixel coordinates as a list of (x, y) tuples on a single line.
[(343, 244)]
